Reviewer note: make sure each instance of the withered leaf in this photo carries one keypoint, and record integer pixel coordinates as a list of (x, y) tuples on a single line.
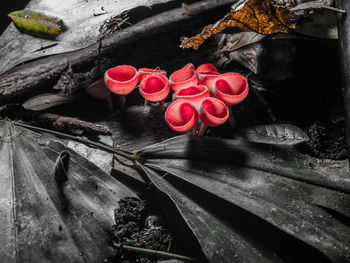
[(260, 16)]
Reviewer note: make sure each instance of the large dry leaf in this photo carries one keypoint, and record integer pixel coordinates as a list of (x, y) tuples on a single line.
[(45, 220), (260, 16), (248, 202)]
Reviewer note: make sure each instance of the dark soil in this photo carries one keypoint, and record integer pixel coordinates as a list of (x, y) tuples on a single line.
[(137, 225)]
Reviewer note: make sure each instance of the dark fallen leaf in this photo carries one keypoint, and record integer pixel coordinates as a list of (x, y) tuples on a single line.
[(246, 201), (189, 9), (37, 23), (82, 29), (41, 222), (136, 128), (46, 101), (284, 134), (320, 25), (242, 39), (313, 5)]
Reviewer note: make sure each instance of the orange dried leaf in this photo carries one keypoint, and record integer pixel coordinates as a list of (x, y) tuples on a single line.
[(260, 16)]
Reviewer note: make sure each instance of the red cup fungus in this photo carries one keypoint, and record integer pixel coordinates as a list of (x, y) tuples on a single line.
[(193, 94), (189, 66), (121, 79), (212, 112), (144, 72), (99, 90), (231, 88), (182, 116), (154, 88), (204, 68), (183, 78), (208, 79)]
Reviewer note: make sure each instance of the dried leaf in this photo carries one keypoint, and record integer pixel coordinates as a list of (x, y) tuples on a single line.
[(318, 4), (242, 39), (190, 10), (241, 199), (258, 16), (46, 101), (320, 25), (37, 23), (284, 134)]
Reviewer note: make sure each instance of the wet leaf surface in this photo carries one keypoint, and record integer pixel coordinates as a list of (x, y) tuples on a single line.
[(257, 198), (284, 134), (81, 22), (42, 220), (46, 101)]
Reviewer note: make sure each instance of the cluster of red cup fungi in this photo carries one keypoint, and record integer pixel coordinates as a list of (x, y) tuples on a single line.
[(201, 93)]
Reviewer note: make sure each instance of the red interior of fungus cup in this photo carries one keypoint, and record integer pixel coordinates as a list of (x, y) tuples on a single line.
[(181, 116), (215, 108), (182, 75), (204, 68), (153, 85), (193, 90), (232, 86), (121, 73)]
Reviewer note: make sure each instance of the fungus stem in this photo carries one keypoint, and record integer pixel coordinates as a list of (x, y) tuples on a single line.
[(122, 99), (162, 105), (193, 131), (146, 102), (109, 102), (154, 252), (202, 129), (231, 118)]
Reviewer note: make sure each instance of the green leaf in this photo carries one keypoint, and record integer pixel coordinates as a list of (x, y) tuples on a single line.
[(246, 202), (37, 23)]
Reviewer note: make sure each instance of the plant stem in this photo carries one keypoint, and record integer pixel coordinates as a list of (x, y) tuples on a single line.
[(102, 146), (231, 118), (193, 131), (202, 129), (122, 99), (154, 253), (109, 103)]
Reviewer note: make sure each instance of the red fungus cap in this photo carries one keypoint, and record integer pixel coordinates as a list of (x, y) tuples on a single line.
[(189, 66), (208, 79), (213, 112), (183, 78), (155, 88), (193, 94), (204, 68), (99, 90), (121, 79), (181, 116), (231, 88), (144, 72)]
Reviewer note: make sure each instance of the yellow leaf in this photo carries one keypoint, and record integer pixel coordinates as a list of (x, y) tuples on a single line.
[(260, 16)]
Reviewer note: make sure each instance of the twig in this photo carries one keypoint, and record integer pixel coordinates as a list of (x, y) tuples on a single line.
[(99, 145), (154, 253), (62, 123)]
